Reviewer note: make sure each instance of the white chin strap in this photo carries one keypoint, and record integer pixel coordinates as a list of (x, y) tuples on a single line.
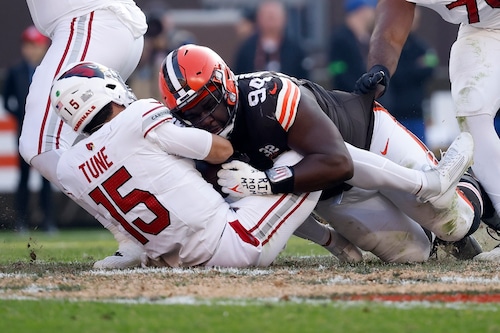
[(227, 130)]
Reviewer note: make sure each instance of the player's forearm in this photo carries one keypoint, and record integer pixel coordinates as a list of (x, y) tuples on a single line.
[(220, 151), (393, 24), (318, 172)]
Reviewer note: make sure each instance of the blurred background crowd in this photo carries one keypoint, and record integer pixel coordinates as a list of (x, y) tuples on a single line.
[(321, 40)]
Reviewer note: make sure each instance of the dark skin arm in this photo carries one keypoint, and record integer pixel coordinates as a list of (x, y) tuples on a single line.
[(393, 23), (326, 161), (220, 151)]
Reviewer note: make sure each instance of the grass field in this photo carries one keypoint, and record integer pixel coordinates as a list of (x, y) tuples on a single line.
[(47, 285)]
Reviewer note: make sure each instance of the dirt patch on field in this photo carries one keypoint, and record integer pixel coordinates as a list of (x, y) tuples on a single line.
[(318, 277)]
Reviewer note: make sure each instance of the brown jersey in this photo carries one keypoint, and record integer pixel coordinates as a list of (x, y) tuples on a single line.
[(267, 108)]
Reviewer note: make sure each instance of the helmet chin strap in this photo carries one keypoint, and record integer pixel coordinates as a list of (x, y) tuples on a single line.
[(228, 128)]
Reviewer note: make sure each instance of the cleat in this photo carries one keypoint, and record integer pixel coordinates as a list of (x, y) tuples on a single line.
[(471, 189), (464, 249), (493, 255), (492, 222), (490, 216), (446, 175), (127, 256), (341, 248)]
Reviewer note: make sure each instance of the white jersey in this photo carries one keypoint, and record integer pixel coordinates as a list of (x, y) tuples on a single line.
[(128, 173), (478, 13), (46, 14)]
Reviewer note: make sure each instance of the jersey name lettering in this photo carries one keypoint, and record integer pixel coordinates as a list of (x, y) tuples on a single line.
[(95, 165)]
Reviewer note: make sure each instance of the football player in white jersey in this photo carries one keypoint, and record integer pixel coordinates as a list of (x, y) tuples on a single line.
[(109, 32), (265, 114), (474, 75), (136, 170)]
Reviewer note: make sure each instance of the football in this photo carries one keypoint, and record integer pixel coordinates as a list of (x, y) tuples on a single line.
[(209, 172)]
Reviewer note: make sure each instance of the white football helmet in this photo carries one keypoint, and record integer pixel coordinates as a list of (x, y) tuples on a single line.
[(82, 90)]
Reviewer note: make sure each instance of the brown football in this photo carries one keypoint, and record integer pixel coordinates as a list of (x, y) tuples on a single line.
[(209, 172)]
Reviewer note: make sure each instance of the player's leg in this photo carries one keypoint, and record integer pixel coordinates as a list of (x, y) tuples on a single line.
[(387, 170), (95, 37), (475, 78), (374, 224), (99, 37), (476, 98), (454, 217), (113, 45), (324, 235), (259, 226), (128, 254)]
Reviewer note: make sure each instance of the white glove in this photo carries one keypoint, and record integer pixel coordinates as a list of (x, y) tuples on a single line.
[(239, 179)]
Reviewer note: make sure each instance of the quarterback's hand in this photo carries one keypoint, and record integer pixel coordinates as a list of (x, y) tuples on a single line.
[(369, 81), (239, 179)]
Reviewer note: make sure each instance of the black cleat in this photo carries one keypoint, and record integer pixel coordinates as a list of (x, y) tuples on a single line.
[(489, 216), (464, 249), (471, 188)]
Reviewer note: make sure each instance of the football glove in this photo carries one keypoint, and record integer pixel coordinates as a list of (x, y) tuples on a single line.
[(239, 179), (369, 81)]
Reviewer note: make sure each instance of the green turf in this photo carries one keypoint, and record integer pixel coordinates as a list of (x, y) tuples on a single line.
[(89, 245), (64, 246), (64, 316), (76, 250)]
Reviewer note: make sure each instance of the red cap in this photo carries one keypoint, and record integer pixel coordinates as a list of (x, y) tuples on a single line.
[(31, 34)]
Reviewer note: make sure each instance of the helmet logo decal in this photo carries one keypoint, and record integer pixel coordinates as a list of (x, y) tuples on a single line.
[(84, 70), (59, 105), (84, 89), (82, 119), (87, 95)]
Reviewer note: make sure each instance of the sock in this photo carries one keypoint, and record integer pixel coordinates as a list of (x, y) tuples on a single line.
[(314, 231)]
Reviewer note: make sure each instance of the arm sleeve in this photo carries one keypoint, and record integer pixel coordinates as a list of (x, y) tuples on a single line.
[(182, 141)]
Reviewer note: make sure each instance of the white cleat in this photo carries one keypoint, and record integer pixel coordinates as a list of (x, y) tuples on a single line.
[(341, 248), (493, 255), (127, 256), (446, 175)]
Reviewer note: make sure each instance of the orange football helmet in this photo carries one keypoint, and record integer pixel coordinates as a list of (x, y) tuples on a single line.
[(189, 74)]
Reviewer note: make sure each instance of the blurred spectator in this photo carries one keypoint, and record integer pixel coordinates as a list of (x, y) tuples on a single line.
[(270, 48), (161, 37), (416, 67), (349, 43), (245, 27), (18, 79)]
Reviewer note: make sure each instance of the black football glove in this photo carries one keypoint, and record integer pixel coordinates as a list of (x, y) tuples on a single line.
[(369, 81)]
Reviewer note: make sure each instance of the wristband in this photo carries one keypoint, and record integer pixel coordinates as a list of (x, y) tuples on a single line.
[(281, 179)]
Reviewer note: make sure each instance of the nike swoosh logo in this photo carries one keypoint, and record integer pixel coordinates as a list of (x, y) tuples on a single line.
[(275, 88), (384, 152), (235, 188)]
